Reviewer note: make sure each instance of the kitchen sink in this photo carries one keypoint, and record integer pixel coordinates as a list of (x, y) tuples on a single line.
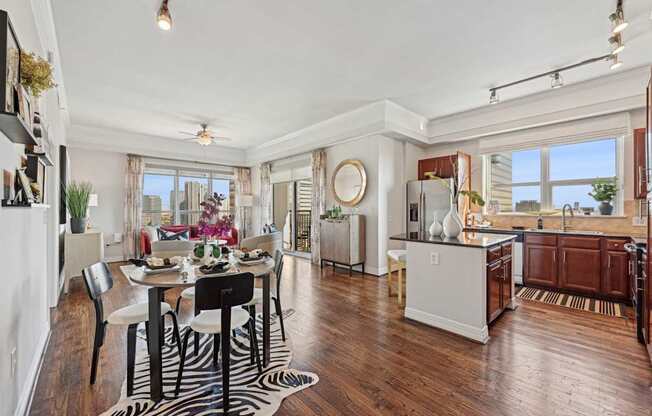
[(560, 231)]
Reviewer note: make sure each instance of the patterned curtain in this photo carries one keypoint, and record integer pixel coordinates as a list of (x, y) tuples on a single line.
[(133, 206), (242, 214), (265, 195), (318, 200)]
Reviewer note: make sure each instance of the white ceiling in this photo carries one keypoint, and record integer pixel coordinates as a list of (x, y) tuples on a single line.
[(257, 70)]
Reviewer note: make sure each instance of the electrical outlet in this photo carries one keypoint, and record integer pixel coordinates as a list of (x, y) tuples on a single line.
[(13, 363), (434, 259)]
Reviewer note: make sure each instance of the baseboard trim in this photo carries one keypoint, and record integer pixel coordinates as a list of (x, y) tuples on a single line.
[(476, 334), (27, 395)]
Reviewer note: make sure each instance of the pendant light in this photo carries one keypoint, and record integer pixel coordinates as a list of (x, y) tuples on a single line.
[(618, 19), (493, 97), (164, 19), (557, 80), (617, 44)]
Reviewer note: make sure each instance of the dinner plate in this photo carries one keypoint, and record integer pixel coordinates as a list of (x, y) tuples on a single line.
[(158, 270), (252, 262)]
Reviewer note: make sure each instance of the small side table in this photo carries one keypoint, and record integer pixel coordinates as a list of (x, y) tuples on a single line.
[(81, 250)]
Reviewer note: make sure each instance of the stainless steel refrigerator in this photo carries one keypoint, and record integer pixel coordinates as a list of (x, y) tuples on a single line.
[(424, 199)]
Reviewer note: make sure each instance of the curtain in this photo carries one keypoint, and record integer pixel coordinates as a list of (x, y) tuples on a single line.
[(242, 214), (318, 207), (133, 206), (265, 195)]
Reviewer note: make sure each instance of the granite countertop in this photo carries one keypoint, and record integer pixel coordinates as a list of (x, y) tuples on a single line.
[(466, 239), (551, 231)]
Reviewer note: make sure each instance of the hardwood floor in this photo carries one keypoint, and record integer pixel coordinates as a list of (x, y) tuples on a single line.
[(541, 360)]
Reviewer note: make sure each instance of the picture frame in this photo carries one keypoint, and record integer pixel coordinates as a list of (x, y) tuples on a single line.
[(24, 106), (24, 185), (7, 185), (10, 62)]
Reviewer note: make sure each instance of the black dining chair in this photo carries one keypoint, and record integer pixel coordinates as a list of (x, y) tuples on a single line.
[(99, 280), (257, 299), (216, 299)]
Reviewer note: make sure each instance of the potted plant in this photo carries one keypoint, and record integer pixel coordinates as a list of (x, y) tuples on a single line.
[(604, 192), (35, 74), (77, 194)]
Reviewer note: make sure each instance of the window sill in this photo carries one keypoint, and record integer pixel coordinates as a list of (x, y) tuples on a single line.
[(520, 215)]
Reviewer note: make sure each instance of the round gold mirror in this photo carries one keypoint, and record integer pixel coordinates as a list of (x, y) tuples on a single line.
[(349, 182)]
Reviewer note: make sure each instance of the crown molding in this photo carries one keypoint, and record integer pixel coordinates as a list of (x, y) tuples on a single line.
[(110, 140)]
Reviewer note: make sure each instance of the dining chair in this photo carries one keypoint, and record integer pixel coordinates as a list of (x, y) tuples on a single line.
[(399, 258), (257, 298), (99, 280), (215, 300)]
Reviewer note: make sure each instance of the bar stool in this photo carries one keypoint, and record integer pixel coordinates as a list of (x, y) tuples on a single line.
[(397, 257)]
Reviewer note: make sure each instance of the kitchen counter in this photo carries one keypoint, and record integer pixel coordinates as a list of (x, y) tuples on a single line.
[(459, 284), (469, 238), (553, 231)]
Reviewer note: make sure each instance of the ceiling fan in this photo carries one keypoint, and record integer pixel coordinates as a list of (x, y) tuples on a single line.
[(204, 136)]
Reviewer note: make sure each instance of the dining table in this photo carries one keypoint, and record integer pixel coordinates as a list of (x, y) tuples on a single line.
[(158, 283)]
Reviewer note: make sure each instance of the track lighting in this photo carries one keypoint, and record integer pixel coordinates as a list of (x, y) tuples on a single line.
[(617, 44), (557, 80), (493, 97), (615, 62), (618, 19), (163, 18)]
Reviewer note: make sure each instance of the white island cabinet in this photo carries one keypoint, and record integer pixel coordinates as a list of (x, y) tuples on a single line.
[(459, 284)]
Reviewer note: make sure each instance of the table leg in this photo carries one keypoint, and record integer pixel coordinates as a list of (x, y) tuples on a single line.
[(266, 318), (155, 341)]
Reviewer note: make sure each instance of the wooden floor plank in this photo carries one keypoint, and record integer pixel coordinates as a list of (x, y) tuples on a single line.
[(541, 360)]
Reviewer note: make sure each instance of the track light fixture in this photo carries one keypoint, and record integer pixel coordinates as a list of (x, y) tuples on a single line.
[(615, 62), (493, 97), (617, 44), (618, 18), (557, 80), (163, 18)]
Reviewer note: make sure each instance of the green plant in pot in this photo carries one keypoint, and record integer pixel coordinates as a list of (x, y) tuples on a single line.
[(77, 194), (604, 191)]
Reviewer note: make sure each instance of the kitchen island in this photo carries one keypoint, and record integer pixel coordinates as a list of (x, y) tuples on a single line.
[(458, 284)]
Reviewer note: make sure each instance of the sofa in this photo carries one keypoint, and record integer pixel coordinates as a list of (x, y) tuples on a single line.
[(193, 234)]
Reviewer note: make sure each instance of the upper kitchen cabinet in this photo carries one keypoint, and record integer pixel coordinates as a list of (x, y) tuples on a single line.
[(442, 166), (640, 165)]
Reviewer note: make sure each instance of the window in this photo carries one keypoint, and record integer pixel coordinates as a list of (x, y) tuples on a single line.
[(544, 179), (174, 196)]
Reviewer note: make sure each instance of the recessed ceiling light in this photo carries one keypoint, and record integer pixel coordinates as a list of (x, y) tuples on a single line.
[(617, 44), (164, 19), (493, 97), (615, 62), (557, 80), (618, 19)]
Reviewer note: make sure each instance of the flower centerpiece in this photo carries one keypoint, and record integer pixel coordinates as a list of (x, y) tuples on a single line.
[(211, 225)]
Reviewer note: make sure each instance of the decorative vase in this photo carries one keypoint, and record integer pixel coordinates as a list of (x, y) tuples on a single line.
[(605, 208), (435, 228), (77, 225), (452, 223)]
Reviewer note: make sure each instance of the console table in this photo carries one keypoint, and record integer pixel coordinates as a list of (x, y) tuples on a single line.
[(342, 241), (82, 250)]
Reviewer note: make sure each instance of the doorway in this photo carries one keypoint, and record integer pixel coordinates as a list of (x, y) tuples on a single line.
[(292, 202)]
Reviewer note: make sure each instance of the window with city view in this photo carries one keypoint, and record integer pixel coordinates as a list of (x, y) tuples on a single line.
[(173, 196), (542, 180)]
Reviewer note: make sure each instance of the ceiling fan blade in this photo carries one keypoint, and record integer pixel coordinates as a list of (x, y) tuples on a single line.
[(191, 139), (222, 139), (188, 133)]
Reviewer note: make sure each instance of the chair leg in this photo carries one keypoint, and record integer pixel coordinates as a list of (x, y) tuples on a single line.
[(131, 357), (226, 369), (97, 344), (253, 344), (400, 284), (216, 348), (182, 361), (175, 328), (196, 340), (279, 314), (178, 305), (147, 336)]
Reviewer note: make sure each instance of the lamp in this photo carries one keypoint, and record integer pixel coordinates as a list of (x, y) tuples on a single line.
[(163, 18), (618, 19), (617, 44), (245, 201), (615, 62)]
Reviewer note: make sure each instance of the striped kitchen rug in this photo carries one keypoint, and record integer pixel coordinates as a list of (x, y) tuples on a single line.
[(570, 301)]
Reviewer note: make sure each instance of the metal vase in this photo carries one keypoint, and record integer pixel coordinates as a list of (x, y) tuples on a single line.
[(77, 225)]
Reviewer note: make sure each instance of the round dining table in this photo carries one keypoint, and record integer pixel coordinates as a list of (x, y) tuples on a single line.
[(158, 283)]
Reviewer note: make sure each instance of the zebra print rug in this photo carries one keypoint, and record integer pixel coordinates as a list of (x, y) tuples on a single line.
[(201, 386)]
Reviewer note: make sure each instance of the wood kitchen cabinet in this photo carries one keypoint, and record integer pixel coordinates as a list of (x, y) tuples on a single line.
[(443, 166), (499, 280), (584, 265), (640, 165)]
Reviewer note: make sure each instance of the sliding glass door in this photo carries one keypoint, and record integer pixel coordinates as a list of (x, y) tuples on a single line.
[(292, 213)]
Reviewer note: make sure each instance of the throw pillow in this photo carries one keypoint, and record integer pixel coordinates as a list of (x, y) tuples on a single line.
[(168, 235)]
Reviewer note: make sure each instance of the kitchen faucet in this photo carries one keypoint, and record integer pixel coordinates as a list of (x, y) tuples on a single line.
[(563, 215)]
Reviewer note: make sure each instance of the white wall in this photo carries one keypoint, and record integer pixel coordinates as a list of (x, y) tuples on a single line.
[(105, 171), (29, 239)]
